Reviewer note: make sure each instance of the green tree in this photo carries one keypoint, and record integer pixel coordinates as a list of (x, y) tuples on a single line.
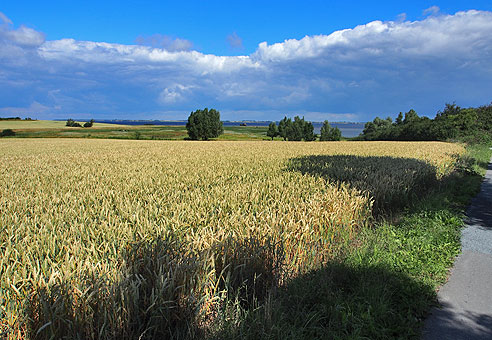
[(308, 132), (284, 127), (272, 130), (399, 119), (89, 124), (329, 133), (295, 133), (204, 124)]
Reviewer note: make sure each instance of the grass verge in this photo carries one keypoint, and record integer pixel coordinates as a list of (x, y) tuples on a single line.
[(384, 284)]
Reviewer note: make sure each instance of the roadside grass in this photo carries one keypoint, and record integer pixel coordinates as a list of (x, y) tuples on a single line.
[(384, 283)]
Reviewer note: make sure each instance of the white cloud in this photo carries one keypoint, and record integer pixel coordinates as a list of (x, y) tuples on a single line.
[(377, 68), (173, 94)]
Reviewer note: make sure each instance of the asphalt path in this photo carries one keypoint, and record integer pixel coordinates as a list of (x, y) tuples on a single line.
[(466, 299)]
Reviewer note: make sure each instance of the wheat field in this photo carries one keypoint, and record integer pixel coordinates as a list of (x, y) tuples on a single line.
[(128, 239)]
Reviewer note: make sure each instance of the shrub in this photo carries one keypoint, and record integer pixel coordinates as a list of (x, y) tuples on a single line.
[(7, 133), (89, 123), (72, 123)]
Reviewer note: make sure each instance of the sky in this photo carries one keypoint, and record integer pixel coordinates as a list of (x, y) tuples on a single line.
[(255, 60)]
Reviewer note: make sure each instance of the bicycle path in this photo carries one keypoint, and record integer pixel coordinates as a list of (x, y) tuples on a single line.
[(466, 299)]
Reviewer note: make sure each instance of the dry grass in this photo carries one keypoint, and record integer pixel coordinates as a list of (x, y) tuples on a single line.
[(46, 124), (104, 239)]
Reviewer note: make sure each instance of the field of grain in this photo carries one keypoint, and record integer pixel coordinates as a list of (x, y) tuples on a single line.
[(112, 238), (45, 124)]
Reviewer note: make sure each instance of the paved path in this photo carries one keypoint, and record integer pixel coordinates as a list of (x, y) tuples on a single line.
[(466, 299)]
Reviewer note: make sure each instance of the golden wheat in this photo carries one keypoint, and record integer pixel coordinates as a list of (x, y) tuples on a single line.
[(97, 233)]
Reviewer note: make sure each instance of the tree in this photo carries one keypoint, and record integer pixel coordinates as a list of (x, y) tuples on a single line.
[(89, 124), (284, 127), (295, 133), (204, 124), (272, 130), (329, 133), (399, 119), (7, 133), (410, 117), (308, 133), (72, 123)]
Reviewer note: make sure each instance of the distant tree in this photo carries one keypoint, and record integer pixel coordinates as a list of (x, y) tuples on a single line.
[(72, 123), (295, 133), (308, 132), (204, 124), (410, 116), (329, 133), (399, 119), (7, 133), (89, 123), (284, 127), (272, 130)]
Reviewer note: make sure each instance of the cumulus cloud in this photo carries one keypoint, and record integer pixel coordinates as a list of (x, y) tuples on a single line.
[(169, 43), (235, 41), (353, 74)]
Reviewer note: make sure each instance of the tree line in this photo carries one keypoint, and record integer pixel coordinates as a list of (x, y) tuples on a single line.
[(300, 129), (205, 124), (472, 125), (71, 123)]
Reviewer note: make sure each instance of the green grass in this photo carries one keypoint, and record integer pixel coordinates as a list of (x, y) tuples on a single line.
[(383, 285), (57, 129)]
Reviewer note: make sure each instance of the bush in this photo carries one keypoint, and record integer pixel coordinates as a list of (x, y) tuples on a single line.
[(89, 124), (7, 133), (204, 124), (72, 123)]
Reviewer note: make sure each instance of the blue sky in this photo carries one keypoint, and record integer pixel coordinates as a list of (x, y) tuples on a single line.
[(335, 60)]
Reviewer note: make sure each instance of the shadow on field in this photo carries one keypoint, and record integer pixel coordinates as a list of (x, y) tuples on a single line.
[(164, 290), (339, 301), (392, 182)]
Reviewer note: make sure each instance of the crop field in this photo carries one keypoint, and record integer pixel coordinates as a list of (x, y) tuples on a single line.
[(105, 239), (44, 124), (57, 129)]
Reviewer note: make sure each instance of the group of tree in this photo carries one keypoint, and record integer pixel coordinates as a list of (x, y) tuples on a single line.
[(453, 123), (300, 129), (292, 130), (329, 133), (72, 123), (204, 124), (7, 133), (15, 118)]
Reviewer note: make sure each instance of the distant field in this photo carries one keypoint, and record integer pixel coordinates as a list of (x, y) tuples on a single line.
[(110, 239), (42, 124), (57, 129)]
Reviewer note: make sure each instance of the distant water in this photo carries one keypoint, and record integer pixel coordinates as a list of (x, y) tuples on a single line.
[(347, 129)]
